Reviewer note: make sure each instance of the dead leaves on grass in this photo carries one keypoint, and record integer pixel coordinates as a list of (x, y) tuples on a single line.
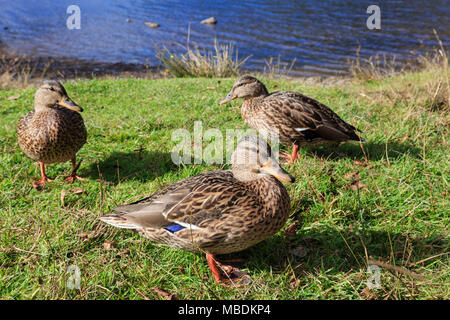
[(109, 245), (291, 230), (356, 183), (361, 163), (87, 235), (165, 294), (79, 191)]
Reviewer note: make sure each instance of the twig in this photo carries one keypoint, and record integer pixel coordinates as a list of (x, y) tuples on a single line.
[(426, 259), (26, 251), (398, 269)]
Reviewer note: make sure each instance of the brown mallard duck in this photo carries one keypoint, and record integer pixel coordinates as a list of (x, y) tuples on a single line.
[(54, 131), (216, 212), (297, 119)]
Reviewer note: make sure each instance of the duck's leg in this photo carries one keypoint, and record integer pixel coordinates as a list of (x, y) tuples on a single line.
[(44, 179), (212, 263), (73, 176), (293, 157), (295, 152), (225, 274)]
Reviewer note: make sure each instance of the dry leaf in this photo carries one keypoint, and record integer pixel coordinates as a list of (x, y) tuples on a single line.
[(165, 294), (367, 293), (211, 88), (355, 185), (78, 191), (123, 253), (291, 230), (86, 235), (352, 175), (14, 97), (63, 196), (294, 282), (360, 163), (38, 186), (109, 245)]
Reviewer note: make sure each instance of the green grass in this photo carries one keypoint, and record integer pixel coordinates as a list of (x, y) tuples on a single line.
[(403, 198)]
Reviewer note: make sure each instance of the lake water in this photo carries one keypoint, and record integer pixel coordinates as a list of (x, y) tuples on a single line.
[(320, 35)]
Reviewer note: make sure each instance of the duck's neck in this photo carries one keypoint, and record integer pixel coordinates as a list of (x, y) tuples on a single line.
[(251, 106), (273, 192), (40, 108)]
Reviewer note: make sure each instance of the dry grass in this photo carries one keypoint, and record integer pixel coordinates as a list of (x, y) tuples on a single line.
[(275, 68), (431, 93), (17, 72), (374, 68), (222, 61), (381, 66)]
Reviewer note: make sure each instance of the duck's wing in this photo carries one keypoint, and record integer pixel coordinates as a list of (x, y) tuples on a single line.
[(307, 118), (193, 203)]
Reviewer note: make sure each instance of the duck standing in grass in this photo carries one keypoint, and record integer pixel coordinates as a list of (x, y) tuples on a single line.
[(297, 119), (217, 212), (54, 131)]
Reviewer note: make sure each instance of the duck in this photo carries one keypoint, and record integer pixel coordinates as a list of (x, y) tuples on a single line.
[(294, 118), (216, 212), (54, 131)]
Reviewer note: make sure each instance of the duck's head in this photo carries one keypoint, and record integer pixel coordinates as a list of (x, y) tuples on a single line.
[(246, 87), (52, 93), (253, 159)]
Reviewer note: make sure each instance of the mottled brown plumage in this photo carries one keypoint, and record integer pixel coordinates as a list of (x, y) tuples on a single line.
[(54, 131), (215, 212), (297, 119)]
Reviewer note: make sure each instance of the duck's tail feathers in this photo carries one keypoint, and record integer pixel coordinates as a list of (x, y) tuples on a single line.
[(118, 220)]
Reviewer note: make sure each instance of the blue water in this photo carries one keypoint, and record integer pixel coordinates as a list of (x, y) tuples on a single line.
[(320, 35)]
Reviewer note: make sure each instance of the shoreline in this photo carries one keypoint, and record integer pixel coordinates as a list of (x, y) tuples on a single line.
[(32, 69), (19, 71)]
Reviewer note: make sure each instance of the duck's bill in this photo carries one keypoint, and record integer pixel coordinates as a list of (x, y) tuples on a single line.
[(278, 172), (228, 98), (69, 104)]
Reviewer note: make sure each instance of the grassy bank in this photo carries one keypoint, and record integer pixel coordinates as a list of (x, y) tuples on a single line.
[(387, 202)]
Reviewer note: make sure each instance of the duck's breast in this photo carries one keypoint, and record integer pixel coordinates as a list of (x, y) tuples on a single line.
[(54, 135)]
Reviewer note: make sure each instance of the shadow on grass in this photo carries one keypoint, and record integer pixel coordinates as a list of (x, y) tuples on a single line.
[(139, 165), (334, 252), (373, 151)]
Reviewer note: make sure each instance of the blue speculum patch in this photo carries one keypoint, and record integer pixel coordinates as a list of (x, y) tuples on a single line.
[(174, 227)]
